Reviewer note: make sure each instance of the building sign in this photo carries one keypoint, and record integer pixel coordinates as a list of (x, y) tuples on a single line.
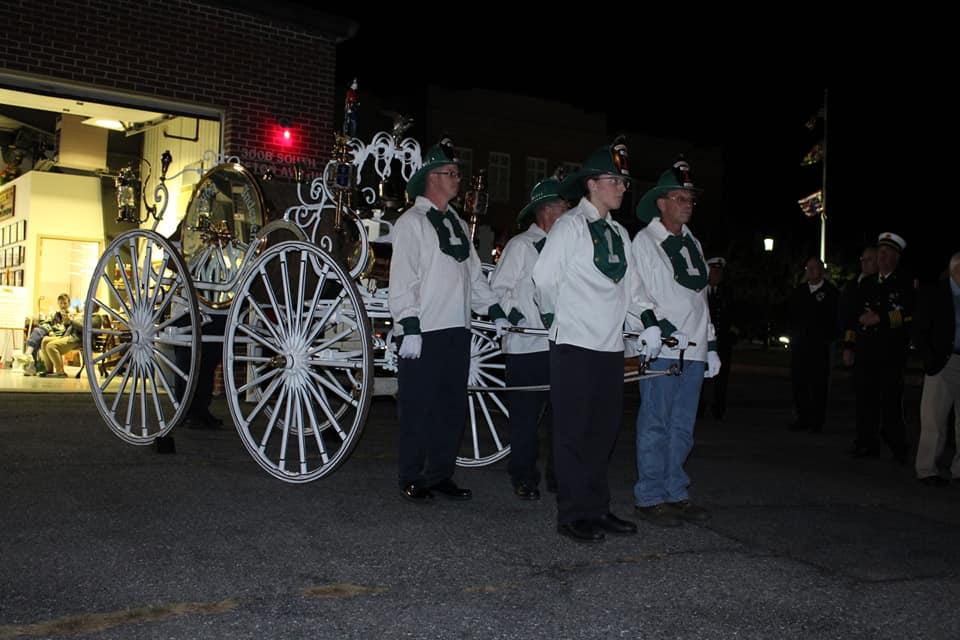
[(7, 200), (282, 165)]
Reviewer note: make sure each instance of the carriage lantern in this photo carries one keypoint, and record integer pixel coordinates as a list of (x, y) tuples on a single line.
[(128, 195), (129, 191)]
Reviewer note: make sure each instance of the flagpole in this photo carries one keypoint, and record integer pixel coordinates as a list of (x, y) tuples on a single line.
[(823, 187)]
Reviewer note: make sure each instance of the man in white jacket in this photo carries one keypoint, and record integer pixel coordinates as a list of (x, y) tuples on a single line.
[(435, 280), (527, 357), (671, 297), (584, 279)]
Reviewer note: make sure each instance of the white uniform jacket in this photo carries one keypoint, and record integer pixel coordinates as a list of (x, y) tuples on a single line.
[(513, 281), (588, 307), (429, 289), (667, 292)]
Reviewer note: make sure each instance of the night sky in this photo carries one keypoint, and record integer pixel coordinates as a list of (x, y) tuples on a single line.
[(876, 138)]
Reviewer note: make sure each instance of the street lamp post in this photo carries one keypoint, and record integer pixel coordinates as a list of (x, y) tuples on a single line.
[(815, 204), (823, 187), (768, 243)]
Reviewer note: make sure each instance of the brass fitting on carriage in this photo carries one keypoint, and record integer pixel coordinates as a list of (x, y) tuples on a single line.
[(216, 233), (344, 178), (476, 200)]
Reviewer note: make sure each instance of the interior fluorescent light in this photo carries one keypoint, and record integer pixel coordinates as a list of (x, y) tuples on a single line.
[(115, 125)]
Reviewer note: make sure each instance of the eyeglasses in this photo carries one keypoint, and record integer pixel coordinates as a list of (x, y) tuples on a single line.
[(452, 174), (683, 200), (616, 181)]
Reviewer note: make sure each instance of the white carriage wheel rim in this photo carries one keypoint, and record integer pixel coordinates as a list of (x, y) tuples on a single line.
[(142, 325), (480, 404), (297, 382)]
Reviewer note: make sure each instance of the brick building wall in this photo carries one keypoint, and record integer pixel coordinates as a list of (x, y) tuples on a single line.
[(258, 71)]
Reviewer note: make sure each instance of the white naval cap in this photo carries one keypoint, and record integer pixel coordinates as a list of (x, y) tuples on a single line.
[(717, 262), (892, 240)]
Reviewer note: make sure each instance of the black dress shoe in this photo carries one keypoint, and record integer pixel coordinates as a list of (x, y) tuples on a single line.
[(449, 489), (581, 531), (797, 426), (525, 491), (865, 452), (618, 526), (415, 494), (933, 481)]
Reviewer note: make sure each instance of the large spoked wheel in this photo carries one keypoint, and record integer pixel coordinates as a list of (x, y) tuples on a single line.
[(142, 332), (488, 436), (298, 362)]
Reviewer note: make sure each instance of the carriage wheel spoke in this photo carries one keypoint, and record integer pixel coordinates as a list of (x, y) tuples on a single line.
[(258, 380), (321, 399), (490, 424), (264, 399), (473, 429)]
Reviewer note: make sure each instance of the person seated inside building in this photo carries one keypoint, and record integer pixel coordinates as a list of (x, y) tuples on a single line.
[(62, 338)]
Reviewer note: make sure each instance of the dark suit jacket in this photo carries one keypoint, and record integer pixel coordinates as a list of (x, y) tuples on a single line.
[(934, 326), (893, 300), (849, 311), (813, 316), (721, 305)]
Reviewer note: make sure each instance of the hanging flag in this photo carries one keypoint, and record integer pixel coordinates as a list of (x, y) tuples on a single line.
[(813, 156), (812, 122), (812, 205)]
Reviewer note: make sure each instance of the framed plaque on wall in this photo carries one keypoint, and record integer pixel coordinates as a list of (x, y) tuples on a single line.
[(7, 201)]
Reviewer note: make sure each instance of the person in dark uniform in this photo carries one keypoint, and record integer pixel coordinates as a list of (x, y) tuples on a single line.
[(720, 299), (211, 354), (876, 344), (435, 280), (813, 318), (584, 279), (849, 298), (527, 357)]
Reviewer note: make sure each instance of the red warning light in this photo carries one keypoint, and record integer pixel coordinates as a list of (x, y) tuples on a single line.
[(283, 133)]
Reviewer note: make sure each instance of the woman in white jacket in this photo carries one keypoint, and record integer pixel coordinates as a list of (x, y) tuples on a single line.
[(584, 280)]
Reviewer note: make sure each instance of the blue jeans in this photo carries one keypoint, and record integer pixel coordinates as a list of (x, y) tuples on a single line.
[(668, 410)]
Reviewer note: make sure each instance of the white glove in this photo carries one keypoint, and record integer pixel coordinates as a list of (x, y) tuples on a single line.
[(410, 346), (682, 340), (713, 364), (650, 342), (501, 324)]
